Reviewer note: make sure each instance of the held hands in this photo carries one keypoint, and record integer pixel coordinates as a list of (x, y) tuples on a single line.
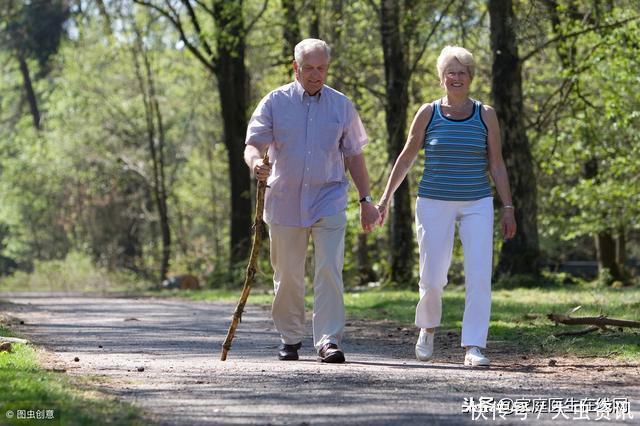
[(369, 216), (508, 221), (260, 170), (383, 210)]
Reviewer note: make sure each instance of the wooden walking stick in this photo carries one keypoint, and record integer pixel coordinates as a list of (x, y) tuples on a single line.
[(258, 232)]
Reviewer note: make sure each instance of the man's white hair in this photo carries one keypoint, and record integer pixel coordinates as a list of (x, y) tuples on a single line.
[(450, 53), (308, 45)]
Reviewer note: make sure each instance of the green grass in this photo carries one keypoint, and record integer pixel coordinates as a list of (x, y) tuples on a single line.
[(518, 316), (24, 385), (75, 273), (519, 319)]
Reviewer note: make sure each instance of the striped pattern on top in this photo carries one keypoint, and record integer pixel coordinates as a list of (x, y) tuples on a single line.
[(455, 163)]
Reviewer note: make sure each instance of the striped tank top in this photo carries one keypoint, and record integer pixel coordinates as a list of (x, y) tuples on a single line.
[(455, 163)]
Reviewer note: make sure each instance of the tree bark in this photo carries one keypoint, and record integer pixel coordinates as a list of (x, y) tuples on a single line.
[(214, 207), (156, 143), (621, 247), (28, 90), (335, 36), (365, 272), (606, 251), (521, 254), (291, 31), (233, 88), (227, 64), (397, 75)]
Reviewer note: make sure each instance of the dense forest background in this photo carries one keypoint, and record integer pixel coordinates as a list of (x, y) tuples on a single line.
[(122, 127)]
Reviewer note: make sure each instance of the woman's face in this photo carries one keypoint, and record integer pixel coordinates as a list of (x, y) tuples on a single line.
[(456, 78)]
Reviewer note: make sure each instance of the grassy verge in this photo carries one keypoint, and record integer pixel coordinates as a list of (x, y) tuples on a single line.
[(518, 316), (75, 273), (26, 389)]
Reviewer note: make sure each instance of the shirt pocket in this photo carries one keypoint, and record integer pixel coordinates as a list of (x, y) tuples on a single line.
[(330, 136)]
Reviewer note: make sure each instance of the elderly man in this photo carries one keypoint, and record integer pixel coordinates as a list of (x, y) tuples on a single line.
[(311, 132)]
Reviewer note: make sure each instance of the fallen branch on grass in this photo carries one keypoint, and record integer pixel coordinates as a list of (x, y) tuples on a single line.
[(578, 332), (600, 322)]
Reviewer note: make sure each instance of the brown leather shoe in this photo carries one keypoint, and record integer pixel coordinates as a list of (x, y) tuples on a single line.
[(329, 352), (289, 352)]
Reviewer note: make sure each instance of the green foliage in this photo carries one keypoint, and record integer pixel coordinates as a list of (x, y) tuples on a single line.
[(34, 29), (82, 184)]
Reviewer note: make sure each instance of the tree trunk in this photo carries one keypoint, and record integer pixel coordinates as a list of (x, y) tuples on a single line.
[(291, 28), (621, 248), (29, 92), (155, 142), (335, 37), (606, 250), (214, 207), (365, 272), (227, 64), (521, 254), (160, 187), (397, 100), (314, 23), (232, 85)]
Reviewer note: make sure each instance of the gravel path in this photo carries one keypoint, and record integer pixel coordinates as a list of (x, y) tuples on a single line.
[(177, 345)]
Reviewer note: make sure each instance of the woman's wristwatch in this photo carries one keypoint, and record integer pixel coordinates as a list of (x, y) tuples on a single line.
[(366, 199)]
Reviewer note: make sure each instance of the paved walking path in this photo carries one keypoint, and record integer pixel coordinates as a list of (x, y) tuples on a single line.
[(177, 343)]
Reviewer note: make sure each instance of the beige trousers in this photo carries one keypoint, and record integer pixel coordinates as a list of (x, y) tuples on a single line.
[(288, 253)]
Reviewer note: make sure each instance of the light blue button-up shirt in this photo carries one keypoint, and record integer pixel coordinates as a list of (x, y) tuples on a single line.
[(308, 138)]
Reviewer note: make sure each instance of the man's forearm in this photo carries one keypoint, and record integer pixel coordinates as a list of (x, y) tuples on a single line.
[(251, 154), (358, 171)]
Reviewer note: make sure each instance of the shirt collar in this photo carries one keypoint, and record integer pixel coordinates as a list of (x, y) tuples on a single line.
[(301, 93)]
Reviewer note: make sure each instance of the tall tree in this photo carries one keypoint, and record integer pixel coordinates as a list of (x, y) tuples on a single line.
[(397, 74), (291, 32), (521, 254), (156, 142), (226, 62), (33, 30), (399, 30)]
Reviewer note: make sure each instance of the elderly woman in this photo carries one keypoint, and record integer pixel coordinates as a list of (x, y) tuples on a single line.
[(461, 139)]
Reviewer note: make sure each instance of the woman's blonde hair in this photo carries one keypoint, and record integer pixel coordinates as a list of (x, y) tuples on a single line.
[(449, 53)]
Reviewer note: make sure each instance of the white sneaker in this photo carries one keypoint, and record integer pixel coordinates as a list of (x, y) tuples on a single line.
[(424, 346), (475, 358)]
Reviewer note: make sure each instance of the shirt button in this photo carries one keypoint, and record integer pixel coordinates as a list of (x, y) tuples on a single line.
[(309, 152), (307, 169)]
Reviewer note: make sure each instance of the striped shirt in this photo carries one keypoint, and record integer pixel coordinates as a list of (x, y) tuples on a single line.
[(308, 138), (455, 164)]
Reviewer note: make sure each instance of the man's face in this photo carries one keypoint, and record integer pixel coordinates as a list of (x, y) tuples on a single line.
[(312, 72)]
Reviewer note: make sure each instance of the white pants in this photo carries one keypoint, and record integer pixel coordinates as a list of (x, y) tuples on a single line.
[(435, 228), (288, 253)]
